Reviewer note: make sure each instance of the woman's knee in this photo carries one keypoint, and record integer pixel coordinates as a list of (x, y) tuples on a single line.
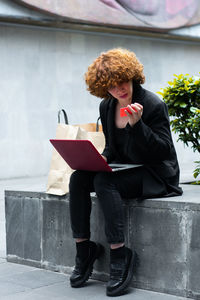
[(80, 179), (101, 181), (76, 178)]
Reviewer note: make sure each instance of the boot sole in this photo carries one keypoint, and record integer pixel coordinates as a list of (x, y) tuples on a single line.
[(121, 289), (89, 271)]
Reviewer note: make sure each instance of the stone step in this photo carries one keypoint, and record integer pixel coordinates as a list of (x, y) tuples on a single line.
[(164, 233)]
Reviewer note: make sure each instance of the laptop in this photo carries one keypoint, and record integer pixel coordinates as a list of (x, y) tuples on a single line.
[(82, 155)]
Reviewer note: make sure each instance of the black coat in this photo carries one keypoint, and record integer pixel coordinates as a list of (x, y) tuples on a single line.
[(148, 142)]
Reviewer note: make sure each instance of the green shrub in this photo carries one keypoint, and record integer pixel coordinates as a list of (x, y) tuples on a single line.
[(182, 97)]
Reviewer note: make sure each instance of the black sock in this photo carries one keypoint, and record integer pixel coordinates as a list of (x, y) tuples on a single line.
[(118, 253), (82, 249)]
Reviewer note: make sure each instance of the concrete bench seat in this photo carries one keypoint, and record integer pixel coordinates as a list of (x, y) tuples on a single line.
[(164, 232)]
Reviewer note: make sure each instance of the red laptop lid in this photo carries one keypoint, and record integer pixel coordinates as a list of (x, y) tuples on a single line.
[(81, 155)]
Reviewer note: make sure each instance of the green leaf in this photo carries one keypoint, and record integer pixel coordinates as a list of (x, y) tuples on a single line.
[(196, 174), (183, 105), (193, 109)]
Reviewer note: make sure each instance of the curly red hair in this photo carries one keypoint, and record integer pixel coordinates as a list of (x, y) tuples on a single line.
[(112, 68)]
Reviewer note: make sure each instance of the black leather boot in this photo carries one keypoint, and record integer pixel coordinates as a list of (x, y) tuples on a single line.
[(83, 268), (121, 273)]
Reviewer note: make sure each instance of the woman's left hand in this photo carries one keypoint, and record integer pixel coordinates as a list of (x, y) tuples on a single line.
[(136, 110)]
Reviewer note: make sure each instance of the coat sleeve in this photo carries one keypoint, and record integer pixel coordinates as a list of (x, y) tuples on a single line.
[(152, 137)]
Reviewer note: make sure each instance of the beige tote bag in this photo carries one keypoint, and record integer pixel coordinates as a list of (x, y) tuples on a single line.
[(60, 172)]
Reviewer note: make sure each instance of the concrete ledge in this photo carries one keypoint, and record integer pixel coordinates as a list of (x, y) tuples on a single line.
[(164, 233)]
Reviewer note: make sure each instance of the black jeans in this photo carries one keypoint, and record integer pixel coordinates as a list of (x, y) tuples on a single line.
[(110, 189)]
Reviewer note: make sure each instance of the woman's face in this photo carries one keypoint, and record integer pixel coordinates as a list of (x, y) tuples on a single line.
[(122, 92)]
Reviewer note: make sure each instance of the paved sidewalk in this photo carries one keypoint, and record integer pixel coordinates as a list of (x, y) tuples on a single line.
[(20, 282)]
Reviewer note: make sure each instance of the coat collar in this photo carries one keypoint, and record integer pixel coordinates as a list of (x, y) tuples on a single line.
[(138, 93)]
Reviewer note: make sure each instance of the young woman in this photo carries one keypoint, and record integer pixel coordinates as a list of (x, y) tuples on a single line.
[(141, 137)]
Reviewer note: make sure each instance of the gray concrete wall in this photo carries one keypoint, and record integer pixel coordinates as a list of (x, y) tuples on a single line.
[(41, 71)]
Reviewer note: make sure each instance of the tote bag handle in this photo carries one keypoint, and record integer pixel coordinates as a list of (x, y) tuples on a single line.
[(64, 115)]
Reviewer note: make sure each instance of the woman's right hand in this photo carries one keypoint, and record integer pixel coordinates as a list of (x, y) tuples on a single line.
[(136, 113)]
